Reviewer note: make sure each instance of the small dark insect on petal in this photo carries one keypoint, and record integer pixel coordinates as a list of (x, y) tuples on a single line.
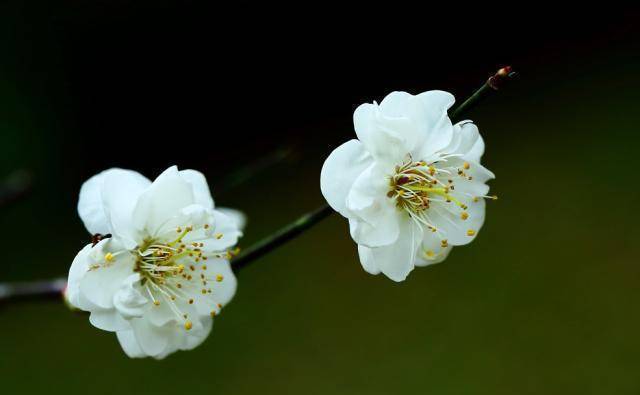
[(95, 239)]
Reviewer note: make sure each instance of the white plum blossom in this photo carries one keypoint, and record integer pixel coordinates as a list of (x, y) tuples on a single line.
[(411, 185), (164, 272)]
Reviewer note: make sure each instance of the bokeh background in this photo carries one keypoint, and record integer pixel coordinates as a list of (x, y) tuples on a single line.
[(544, 301)]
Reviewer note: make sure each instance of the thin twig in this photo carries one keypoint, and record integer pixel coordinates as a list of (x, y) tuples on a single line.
[(252, 169), (282, 236), (492, 84), (42, 289)]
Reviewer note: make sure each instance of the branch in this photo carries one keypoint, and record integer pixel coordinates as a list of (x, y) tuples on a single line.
[(282, 236), (250, 170), (54, 288), (495, 82), (43, 289)]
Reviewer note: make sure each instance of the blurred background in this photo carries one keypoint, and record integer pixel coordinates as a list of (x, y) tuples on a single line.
[(544, 301)]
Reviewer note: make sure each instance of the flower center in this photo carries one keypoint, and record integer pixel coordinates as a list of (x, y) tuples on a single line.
[(157, 261), (175, 272), (416, 186)]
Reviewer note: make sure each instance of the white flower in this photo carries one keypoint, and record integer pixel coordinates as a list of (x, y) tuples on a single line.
[(164, 273), (411, 186)]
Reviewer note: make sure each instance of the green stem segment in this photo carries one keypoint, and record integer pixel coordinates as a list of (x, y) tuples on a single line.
[(282, 236), (494, 83)]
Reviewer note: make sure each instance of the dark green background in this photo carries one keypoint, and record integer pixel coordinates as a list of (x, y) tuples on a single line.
[(544, 301)]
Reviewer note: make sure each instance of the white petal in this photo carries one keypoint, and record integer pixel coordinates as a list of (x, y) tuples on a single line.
[(152, 340), (367, 260), (129, 344), (101, 284), (94, 205), (374, 217), (196, 337), (237, 216), (79, 267), (395, 104), (201, 192), (381, 136), (108, 320), (432, 250), (164, 199), (397, 260), (430, 109), (477, 150), (222, 235), (223, 291), (340, 171), (453, 228), (128, 300)]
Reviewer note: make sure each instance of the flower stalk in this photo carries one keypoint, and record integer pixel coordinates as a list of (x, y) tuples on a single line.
[(493, 83), (280, 237)]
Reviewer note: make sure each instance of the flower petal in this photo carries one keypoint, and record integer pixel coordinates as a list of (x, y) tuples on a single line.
[(128, 300), (108, 320), (152, 340), (430, 109), (340, 171), (99, 285), (454, 229), (164, 199), (432, 250), (367, 260), (381, 135), (201, 192), (94, 204), (373, 216), (237, 216), (396, 260), (79, 267), (129, 344)]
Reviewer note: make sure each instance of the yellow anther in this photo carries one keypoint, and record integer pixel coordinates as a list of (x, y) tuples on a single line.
[(218, 236), (444, 243), (179, 229), (464, 215), (476, 199), (190, 301), (213, 313), (219, 277), (204, 267), (429, 253), (180, 268), (156, 302), (188, 325), (494, 197), (108, 257), (206, 226), (466, 165), (471, 232)]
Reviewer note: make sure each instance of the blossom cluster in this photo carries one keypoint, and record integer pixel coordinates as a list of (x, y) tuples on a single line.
[(158, 270)]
